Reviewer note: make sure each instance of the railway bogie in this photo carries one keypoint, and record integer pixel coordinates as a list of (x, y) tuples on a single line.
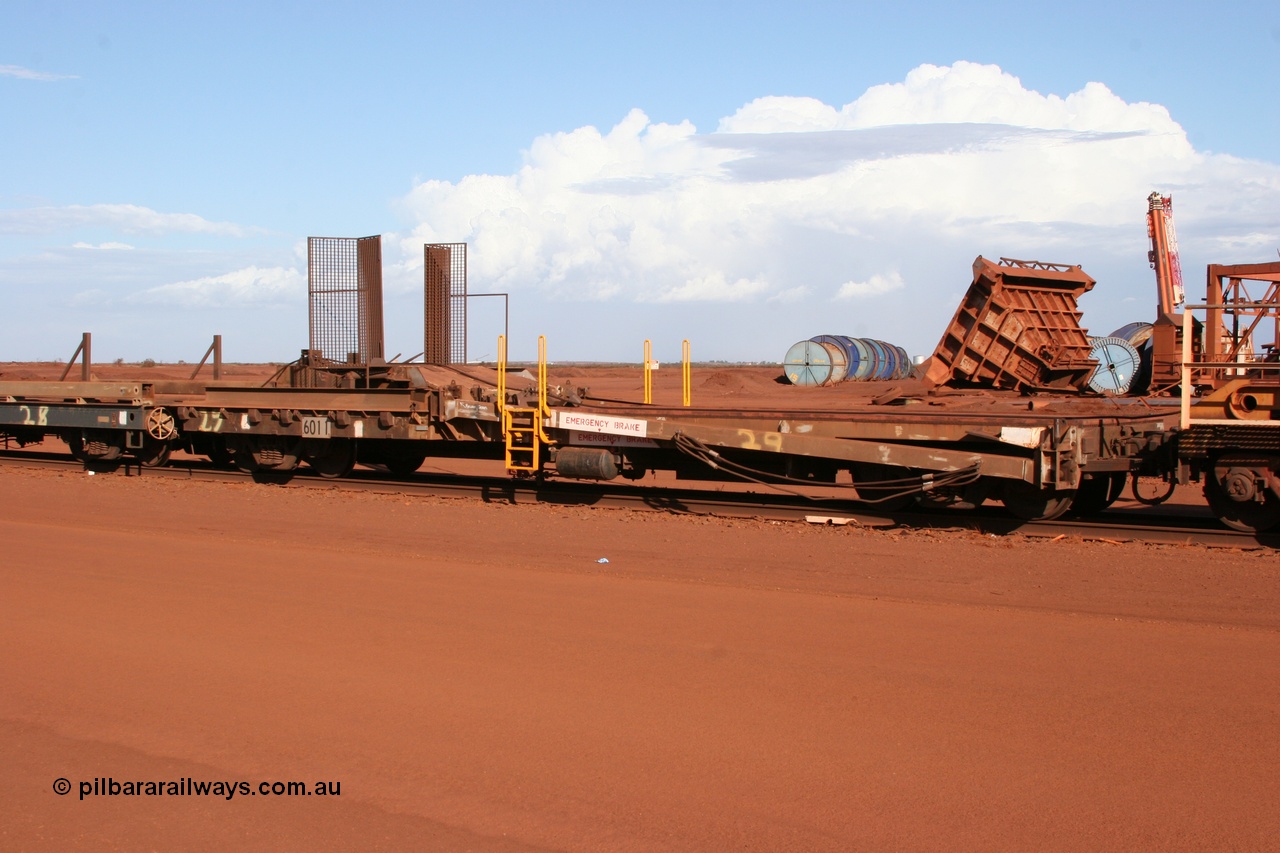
[(1243, 489)]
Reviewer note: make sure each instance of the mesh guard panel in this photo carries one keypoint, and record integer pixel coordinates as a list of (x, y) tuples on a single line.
[(444, 272), (344, 287)]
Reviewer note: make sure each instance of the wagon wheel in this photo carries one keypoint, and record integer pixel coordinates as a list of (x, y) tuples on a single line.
[(1155, 499), (1251, 513), (402, 463), (75, 443), (219, 454), (1097, 492), (160, 424), (332, 457), (153, 454), (1034, 504)]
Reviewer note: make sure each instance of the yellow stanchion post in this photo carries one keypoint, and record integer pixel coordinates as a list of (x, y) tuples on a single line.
[(686, 373), (502, 373), (648, 371), (542, 375)]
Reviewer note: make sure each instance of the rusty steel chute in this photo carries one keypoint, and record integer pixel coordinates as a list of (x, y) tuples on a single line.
[(1018, 328)]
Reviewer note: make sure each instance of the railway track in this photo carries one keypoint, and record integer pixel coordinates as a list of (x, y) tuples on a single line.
[(1116, 526)]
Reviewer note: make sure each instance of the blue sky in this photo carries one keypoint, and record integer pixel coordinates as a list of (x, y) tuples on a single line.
[(741, 174)]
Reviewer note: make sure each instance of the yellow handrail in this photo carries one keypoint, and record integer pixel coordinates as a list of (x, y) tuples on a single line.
[(544, 411)]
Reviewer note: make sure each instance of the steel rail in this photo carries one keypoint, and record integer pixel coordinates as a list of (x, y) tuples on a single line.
[(1117, 527)]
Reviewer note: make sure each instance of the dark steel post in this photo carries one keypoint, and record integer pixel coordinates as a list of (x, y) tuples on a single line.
[(81, 349)]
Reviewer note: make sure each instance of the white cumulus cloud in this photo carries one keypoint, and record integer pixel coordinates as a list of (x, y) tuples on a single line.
[(877, 285), (648, 209), (109, 246), (28, 74), (127, 218), (803, 206), (246, 287), (965, 92)]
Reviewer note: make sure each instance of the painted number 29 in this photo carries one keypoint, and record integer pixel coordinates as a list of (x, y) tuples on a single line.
[(771, 440)]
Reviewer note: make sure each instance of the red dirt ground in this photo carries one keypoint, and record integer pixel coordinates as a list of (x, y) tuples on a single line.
[(475, 679)]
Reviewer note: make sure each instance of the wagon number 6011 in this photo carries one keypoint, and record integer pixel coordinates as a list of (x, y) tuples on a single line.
[(316, 428)]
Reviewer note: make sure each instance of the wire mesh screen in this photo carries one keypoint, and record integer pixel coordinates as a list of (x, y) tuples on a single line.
[(369, 260), (444, 271), (344, 285)]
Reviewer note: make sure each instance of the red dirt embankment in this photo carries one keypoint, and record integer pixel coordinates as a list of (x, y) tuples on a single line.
[(475, 679)]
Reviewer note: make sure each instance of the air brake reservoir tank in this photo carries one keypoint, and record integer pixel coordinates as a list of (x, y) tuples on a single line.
[(586, 463)]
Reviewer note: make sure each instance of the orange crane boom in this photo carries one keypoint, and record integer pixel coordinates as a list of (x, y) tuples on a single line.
[(1164, 253)]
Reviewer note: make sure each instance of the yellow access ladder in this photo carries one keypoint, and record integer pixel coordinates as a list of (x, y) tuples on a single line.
[(522, 427), (520, 430)]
